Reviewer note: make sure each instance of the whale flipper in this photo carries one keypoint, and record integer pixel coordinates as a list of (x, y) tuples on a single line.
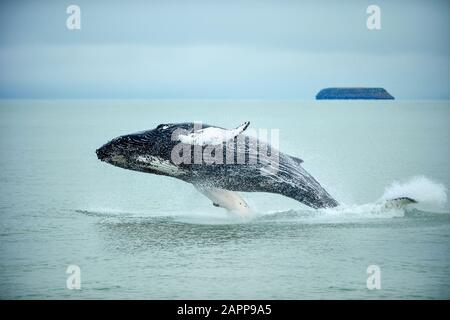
[(297, 160), (226, 199), (241, 128), (398, 203)]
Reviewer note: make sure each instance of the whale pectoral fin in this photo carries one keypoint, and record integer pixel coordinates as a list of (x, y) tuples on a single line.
[(226, 199), (241, 128), (297, 160), (398, 203)]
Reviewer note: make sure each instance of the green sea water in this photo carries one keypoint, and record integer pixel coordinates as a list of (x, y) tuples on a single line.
[(141, 236)]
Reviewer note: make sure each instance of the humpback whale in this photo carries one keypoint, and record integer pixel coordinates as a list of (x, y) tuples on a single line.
[(178, 150)]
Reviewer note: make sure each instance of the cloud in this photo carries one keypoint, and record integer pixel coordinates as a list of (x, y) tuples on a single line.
[(222, 49), (142, 71)]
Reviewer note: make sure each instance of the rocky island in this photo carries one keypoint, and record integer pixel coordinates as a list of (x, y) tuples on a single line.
[(354, 93)]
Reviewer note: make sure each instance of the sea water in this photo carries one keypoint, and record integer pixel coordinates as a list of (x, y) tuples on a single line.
[(140, 236)]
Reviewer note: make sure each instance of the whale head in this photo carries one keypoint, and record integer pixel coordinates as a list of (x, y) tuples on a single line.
[(147, 151)]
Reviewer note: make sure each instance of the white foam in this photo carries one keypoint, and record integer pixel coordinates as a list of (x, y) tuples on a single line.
[(431, 196), (420, 188)]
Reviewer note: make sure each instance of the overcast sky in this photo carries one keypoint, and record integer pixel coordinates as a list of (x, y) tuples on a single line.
[(222, 49)]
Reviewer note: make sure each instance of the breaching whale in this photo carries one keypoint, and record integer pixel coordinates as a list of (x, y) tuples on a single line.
[(234, 163)]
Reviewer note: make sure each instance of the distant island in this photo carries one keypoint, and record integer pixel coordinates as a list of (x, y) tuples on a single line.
[(354, 93)]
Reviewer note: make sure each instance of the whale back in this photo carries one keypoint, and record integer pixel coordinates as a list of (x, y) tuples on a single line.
[(281, 174)]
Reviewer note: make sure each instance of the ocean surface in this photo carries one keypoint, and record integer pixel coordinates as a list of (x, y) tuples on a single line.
[(141, 236)]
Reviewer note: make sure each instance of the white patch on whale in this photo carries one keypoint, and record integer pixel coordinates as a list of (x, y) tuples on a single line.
[(212, 135), (160, 165)]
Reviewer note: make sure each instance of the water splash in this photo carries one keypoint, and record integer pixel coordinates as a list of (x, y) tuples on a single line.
[(426, 192), (429, 195)]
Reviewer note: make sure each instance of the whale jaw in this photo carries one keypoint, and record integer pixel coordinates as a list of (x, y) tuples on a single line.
[(159, 165)]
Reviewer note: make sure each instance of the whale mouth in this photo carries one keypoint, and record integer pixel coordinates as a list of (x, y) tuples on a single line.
[(111, 158), (101, 154)]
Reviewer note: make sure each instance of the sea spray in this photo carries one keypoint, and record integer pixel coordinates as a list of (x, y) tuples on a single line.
[(430, 197), (420, 188)]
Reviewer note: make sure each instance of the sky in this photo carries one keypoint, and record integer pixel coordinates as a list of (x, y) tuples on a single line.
[(207, 49)]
